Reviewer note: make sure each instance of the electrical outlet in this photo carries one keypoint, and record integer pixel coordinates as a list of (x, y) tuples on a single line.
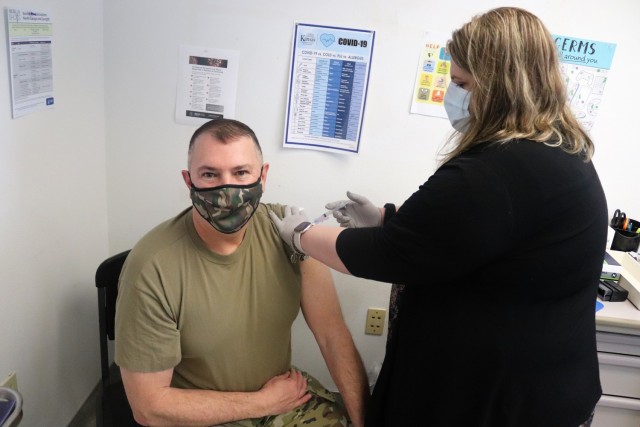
[(11, 381), (375, 321)]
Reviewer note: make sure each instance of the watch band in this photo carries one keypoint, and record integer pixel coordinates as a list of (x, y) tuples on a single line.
[(298, 253)]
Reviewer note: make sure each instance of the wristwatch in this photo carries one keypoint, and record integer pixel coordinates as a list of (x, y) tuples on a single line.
[(303, 227), (300, 229)]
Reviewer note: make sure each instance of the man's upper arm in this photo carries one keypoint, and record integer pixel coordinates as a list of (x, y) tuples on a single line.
[(144, 388), (147, 337), (320, 304)]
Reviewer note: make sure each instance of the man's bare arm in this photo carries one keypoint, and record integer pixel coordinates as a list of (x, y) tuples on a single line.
[(155, 403), (321, 309)]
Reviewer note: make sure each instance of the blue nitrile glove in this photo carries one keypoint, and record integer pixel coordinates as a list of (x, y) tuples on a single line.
[(357, 212), (293, 217)]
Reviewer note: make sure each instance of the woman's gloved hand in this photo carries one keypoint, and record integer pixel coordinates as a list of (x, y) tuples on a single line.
[(358, 212), (293, 217)]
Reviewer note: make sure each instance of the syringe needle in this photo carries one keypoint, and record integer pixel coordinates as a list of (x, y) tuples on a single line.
[(329, 213), (323, 217)]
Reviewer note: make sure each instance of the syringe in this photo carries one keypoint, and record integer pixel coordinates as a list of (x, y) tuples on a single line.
[(329, 213)]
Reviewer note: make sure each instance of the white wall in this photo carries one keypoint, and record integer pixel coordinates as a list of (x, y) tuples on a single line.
[(54, 206), (53, 220)]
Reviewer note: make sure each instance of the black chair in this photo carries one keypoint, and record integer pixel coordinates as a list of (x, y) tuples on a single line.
[(113, 409)]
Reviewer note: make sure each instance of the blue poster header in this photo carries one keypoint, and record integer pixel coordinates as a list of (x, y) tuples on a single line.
[(585, 52)]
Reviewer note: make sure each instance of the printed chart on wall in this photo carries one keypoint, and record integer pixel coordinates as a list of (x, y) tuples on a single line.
[(432, 76), (328, 87), (207, 84), (31, 60), (584, 65)]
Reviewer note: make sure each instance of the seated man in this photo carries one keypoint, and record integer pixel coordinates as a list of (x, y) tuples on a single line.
[(207, 299)]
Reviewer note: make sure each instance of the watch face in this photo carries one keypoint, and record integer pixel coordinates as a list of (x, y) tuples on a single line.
[(302, 226)]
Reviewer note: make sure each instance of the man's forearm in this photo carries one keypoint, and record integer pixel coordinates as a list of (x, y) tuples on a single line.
[(155, 403), (347, 371), (183, 407)]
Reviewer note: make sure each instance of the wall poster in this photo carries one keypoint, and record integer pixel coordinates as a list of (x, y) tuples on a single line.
[(585, 65), (30, 60), (327, 87), (432, 76), (207, 84)]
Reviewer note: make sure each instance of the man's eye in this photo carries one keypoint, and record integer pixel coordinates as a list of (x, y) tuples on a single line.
[(208, 175), (242, 173)]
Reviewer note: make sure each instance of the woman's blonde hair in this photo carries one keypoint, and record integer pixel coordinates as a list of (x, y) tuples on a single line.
[(518, 90)]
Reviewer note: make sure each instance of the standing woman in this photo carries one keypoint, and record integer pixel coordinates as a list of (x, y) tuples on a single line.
[(500, 251)]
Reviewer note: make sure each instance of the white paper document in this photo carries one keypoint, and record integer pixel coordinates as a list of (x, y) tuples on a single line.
[(30, 60), (207, 84)]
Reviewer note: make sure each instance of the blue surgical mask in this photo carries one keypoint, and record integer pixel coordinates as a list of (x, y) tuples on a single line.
[(456, 104)]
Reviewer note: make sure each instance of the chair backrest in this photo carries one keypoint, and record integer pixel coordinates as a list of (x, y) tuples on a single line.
[(107, 276)]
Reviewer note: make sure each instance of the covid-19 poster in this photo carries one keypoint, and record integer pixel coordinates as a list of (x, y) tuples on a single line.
[(327, 87)]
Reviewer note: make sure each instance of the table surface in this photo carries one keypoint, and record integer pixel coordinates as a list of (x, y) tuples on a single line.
[(622, 317)]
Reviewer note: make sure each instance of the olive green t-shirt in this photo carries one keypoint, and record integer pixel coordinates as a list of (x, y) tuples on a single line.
[(223, 322)]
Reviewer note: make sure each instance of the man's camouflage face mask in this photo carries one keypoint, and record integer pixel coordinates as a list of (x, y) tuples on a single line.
[(227, 207)]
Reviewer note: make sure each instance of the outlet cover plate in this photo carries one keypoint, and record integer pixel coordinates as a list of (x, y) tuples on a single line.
[(375, 321)]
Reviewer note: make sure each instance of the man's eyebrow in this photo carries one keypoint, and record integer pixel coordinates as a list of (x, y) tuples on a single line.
[(235, 168), (245, 166), (207, 168)]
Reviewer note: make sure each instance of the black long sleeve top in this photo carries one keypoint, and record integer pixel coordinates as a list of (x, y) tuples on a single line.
[(500, 252)]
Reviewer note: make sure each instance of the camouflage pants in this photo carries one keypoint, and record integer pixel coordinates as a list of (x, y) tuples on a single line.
[(322, 410)]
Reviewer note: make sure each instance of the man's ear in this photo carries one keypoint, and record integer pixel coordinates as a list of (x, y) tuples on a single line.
[(265, 170), (187, 178)]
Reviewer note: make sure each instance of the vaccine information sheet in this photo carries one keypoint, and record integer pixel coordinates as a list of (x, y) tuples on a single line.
[(207, 84)]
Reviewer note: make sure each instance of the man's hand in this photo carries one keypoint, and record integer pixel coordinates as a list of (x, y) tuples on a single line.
[(293, 216), (357, 213), (284, 393)]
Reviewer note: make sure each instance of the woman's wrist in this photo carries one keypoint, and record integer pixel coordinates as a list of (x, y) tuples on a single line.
[(389, 211)]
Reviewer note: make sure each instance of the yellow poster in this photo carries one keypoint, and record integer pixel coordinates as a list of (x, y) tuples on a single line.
[(432, 76)]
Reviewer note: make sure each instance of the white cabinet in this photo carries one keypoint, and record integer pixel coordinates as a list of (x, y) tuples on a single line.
[(618, 337), (613, 411), (619, 357)]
